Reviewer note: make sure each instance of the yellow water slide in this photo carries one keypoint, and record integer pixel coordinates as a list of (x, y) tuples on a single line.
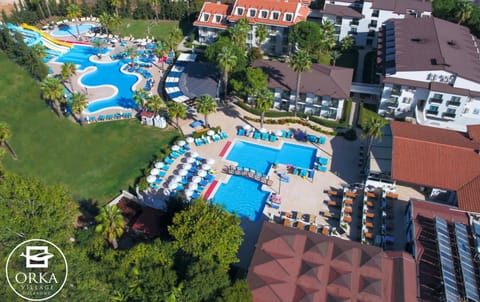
[(48, 37)]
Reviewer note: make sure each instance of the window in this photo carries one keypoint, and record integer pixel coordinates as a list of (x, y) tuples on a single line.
[(264, 14), (288, 17), (217, 19), (438, 96), (338, 20), (373, 23), (239, 11), (252, 12), (275, 15), (205, 17), (450, 111), (353, 30), (375, 13)]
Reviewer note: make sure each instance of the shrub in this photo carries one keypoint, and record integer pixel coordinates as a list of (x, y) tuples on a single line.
[(350, 134)]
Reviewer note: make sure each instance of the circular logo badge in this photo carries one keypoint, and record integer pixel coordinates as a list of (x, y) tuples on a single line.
[(36, 270)]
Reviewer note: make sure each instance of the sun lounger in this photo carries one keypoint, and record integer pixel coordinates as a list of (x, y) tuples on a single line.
[(195, 195), (325, 230), (348, 202), (198, 142), (186, 147), (371, 194), (322, 140), (265, 136), (295, 171), (332, 203), (312, 228), (370, 204), (223, 135), (392, 195), (347, 218), (165, 167), (322, 168), (369, 225), (351, 194), (273, 138), (332, 192), (347, 210), (300, 225), (287, 222), (303, 173), (241, 132), (196, 124), (174, 154), (370, 215), (369, 235), (311, 173), (161, 173)]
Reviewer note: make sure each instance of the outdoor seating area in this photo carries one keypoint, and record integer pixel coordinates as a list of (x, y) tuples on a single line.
[(272, 136), (106, 117), (172, 81), (211, 136), (321, 164), (145, 73), (302, 172), (248, 172)]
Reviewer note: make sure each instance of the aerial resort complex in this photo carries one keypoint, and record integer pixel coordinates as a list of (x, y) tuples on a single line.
[(267, 151)]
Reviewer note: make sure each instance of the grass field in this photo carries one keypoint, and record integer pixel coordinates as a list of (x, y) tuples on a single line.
[(94, 161), (138, 28)]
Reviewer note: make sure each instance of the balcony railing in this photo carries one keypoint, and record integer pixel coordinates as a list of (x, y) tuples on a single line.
[(352, 33), (354, 23), (453, 103), (375, 14), (372, 25), (396, 92), (436, 100), (432, 112), (392, 103), (449, 114)]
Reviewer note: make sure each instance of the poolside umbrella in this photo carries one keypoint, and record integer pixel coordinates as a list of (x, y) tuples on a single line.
[(210, 161), (172, 185), (190, 160), (175, 148), (187, 166), (247, 127), (154, 171), (263, 130), (181, 143), (206, 167), (278, 132), (210, 132), (159, 165), (196, 179), (151, 179), (193, 186), (193, 154), (189, 139), (183, 172), (176, 178), (202, 173)]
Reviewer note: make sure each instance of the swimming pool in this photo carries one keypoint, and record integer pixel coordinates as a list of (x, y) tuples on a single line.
[(243, 196), (105, 74), (67, 30)]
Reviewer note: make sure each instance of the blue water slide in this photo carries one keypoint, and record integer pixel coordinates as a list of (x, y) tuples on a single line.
[(30, 37)]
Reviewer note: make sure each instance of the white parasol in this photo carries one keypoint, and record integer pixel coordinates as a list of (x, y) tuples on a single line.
[(202, 173), (278, 132), (193, 154), (247, 127), (189, 139), (151, 179), (190, 160), (172, 185), (196, 179), (210, 132), (206, 167), (154, 171), (188, 193), (210, 161), (187, 166), (263, 130), (175, 148), (193, 186), (181, 143), (183, 172), (176, 178), (159, 165)]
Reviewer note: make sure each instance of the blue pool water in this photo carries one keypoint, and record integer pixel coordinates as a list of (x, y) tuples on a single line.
[(243, 196), (106, 74), (71, 30)]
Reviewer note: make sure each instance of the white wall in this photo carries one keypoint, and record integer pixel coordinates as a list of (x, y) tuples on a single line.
[(383, 16)]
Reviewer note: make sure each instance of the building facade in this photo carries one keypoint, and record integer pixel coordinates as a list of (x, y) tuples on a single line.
[(431, 72)]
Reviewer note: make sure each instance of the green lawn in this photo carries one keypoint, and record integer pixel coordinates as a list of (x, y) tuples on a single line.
[(138, 28), (94, 161)]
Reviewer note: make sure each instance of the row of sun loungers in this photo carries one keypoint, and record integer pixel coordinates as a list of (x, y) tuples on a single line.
[(108, 117), (305, 173), (208, 139), (247, 172)]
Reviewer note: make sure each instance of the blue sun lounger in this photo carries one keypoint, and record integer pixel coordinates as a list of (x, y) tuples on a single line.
[(168, 160), (203, 182), (181, 151), (186, 147), (273, 138), (295, 171), (158, 180), (165, 167), (256, 135), (195, 195), (223, 135), (241, 132), (161, 173), (303, 173), (174, 154), (180, 188), (265, 136), (323, 160), (322, 140)]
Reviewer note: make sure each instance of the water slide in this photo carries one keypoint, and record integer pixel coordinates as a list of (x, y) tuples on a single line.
[(35, 37), (46, 37)]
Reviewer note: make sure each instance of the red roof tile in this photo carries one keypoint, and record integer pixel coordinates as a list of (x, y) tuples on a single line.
[(474, 132), (436, 158), (340, 10), (469, 195), (294, 265), (211, 9)]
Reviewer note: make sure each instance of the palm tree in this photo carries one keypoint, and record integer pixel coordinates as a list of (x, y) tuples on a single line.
[(227, 61), (264, 101), (140, 97), (74, 12), (206, 105), (132, 53), (79, 102), (175, 293), (110, 224), (299, 62), (238, 34), (464, 10), (99, 44), (68, 70), (372, 129), (5, 133), (115, 21), (53, 91), (334, 55), (154, 104), (116, 4), (174, 37), (161, 51), (106, 21), (177, 110), (39, 51), (155, 4), (261, 32)]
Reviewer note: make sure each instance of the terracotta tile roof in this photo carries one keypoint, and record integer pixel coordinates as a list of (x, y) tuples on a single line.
[(474, 132), (401, 6), (211, 9), (322, 80), (297, 8), (468, 195), (437, 45), (340, 10), (295, 265), (437, 158)]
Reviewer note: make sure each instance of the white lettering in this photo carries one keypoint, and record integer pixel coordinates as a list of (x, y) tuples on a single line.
[(23, 275)]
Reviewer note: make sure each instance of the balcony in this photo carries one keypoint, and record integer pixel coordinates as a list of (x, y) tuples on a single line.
[(392, 103), (396, 91), (372, 25), (331, 103), (453, 103), (375, 14), (317, 102), (431, 112), (450, 115), (354, 23), (435, 100), (353, 33)]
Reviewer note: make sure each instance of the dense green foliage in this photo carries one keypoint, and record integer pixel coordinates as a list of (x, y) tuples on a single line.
[(364, 115), (215, 49), (18, 52), (312, 38), (94, 161), (249, 82), (148, 271), (459, 11)]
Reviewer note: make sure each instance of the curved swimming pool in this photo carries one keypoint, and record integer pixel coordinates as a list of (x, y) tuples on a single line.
[(244, 196), (67, 30)]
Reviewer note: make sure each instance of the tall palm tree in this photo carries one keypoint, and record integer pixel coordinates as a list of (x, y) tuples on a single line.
[(299, 62), (206, 105), (156, 5), (53, 91), (155, 103), (79, 102), (227, 61), (328, 39), (372, 129), (177, 110), (132, 53), (174, 38), (115, 4), (106, 21), (161, 51), (110, 224), (74, 12), (115, 21), (334, 55), (238, 34), (261, 32), (68, 70), (99, 44), (5, 133), (39, 51), (139, 97), (264, 101), (464, 10)]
